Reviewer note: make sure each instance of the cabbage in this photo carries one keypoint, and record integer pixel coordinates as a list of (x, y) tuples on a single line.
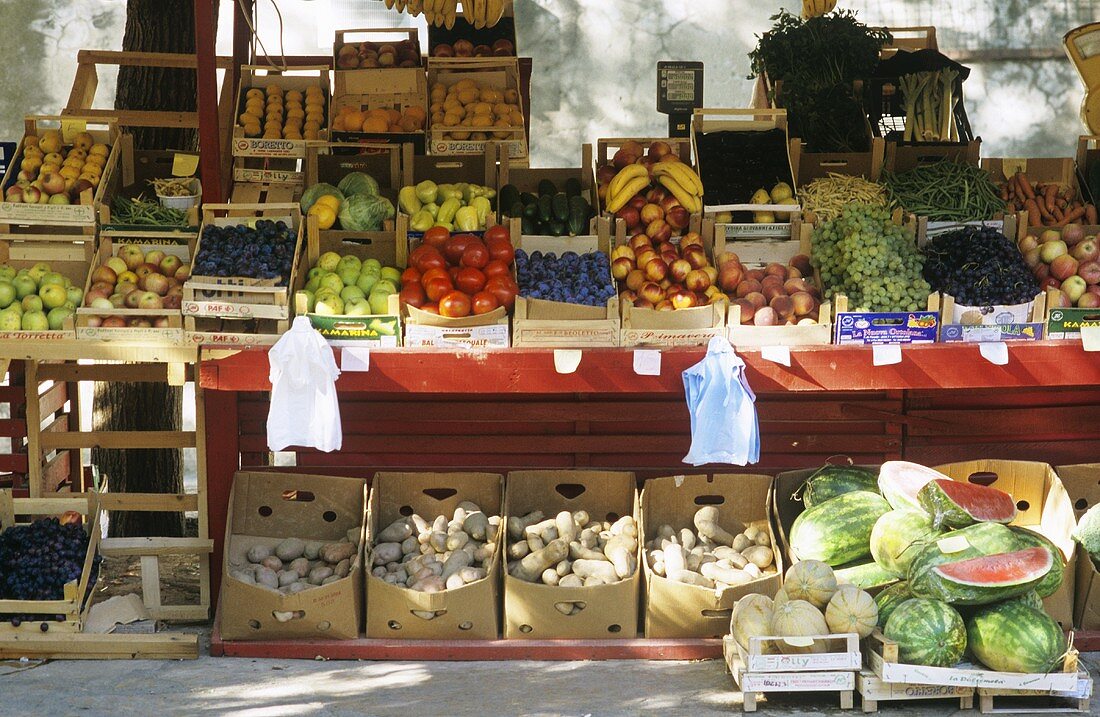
[(358, 183), (311, 195), (365, 213)]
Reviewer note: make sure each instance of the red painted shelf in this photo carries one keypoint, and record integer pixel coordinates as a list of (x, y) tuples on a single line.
[(610, 371)]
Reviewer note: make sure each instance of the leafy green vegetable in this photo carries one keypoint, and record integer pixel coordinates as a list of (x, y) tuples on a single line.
[(358, 183), (365, 212)]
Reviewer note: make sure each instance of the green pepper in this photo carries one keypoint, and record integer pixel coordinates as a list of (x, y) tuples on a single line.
[(427, 191), (482, 206), (447, 210), (409, 202), (422, 221), (466, 219)]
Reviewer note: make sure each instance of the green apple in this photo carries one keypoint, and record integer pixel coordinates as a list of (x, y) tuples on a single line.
[(385, 285), (7, 272), (388, 272), (366, 282), (374, 263), (328, 261), (352, 291), (24, 286), (52, 278), (39, 270), (374, 271), (348, 276), (379, 302), (313, 284), (57, 316), (357, 306), (316, 272), (311, 301), (7, 294), (329, 305), (32, 302), (15, 308), (332, 282), (10, 320), (74, 295), (52, 295), (35, 321), (348, 263)]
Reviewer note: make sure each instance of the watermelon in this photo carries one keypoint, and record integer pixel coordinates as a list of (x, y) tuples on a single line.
[(1031, 599), (958, 505), (897, 538), (900, 481), (928, 632), (866, 576), (987, 579), (889, 599), (831, 481), (1014, 637), (837, 531), (1053, 580)]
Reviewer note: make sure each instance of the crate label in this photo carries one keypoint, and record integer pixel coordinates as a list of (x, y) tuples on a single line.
[(756, 231), (969, 676), (668, 337), (797, 681), (257, 147), (184, 165), (935, 229), (804, 662), (382, 330), (36, 335), (267, 176), (216, 338), (494, 336), (167, 336), (903, 327), (528, 335), (1067, 323), (48, 213), (985, 333), (516, 148), (990, 315)]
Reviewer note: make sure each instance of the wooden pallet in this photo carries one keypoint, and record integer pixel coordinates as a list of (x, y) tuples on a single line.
[(83, 646), (13, 463), (832, 671), (1030, 702), (872, 690)]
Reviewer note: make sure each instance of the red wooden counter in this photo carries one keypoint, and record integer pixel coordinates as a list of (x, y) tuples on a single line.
[(504, 410)]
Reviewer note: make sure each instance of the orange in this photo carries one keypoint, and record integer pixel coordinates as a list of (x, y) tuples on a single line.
[(353, 120), (416, 111), (395, 128), (338, 124), (411, 124), (393, 115), (375, 124)]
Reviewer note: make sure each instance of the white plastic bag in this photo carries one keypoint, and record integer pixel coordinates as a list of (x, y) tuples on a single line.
[(304, 410), (724, 427)]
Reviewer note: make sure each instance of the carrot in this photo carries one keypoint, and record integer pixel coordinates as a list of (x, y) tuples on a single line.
[(1071, 216), (1090, 214), (1050, 192), (1057, 214), (1034, 218), (1025, 186), (1008, 189)]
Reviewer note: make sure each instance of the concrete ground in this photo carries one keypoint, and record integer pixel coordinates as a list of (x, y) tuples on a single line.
[(277, 688)]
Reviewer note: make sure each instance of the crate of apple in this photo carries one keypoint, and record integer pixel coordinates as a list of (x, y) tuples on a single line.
[(459, 275), (665, 276), (36, 298), (775, 295), (654, 210), (135, 278), (1066, 261)]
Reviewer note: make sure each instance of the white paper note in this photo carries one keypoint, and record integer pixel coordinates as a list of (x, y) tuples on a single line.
[(647, 362), (355, 358), (995, 352), (886, 354), (566, 360), (1090, 338), (776, 354)]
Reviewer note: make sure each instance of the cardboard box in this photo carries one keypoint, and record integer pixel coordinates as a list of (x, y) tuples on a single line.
[(885, 327), (272, 506), (390, 89), (501, 73), (1023, 322), (1082, 483), (71, 259), (610, 611), (903, 157), (297, 78), (470, 612), (673, 609), (1068, 323)]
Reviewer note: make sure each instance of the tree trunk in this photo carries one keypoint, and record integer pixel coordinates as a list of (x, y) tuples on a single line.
[(151, 26)]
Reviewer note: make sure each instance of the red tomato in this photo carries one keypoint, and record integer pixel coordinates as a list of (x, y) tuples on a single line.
[(504, 289), (413, 295), (430, 259), (431, 308), (496, 268), (455, 305), (417, 253), (456, 245), (470, 280), (497, 232), (437, 237), (484, 302), (432, 274), (453, 271), (437, 287), (501, 250), (476, 255), (410, 276)]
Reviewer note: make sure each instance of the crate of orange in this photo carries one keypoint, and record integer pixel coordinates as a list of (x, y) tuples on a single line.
[(380, 106), (459, 289)]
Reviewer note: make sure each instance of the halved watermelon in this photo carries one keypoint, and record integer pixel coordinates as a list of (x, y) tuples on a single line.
[(957, 505), (900, 481), (980, 581)]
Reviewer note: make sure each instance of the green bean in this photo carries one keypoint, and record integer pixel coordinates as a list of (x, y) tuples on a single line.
[(946, 191), (141, 212)]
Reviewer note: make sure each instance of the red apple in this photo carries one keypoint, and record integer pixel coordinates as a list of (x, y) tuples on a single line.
[(105, 275), (621, 267), (1028, 243), (1087, 250), (658, 230), (695, 256), (1050, 235), (693, 239), (664, 305), (650, 213), (635, 279), (803, 303), (1063, 267), (1031, 257), (638, 202), (641, 303), (1089, 271), (679, 269), (748, 286), (802, 263), (655, 270), (783, 306), (776, 269), (678, 218), (1058, 300), (1089, 300), (640, 241), (629, 215), (1050, 283), (1073, 234), (757, 299), (729, 276)]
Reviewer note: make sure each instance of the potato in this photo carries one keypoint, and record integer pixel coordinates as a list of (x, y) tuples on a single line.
[(567, 529), (410, 545), (313, 549), (531, 566), (300, 566), (621, 551), (459, 559), (266, 577), (693, 578), (516, 526), (457, 540), (245, 576), (759, 555), (706, 523), (571, 581), (595, 568), (290, 549), (383, 553), (257, 553), (318, 574), (295, 588), (578, 552), (740, 542), (395, 532), (438, 541), (286, 577), (564, 568), (763, 539), (535, 542), (352, 536), (550, 576), (433, 584), (476, 524), (273, 562), (379, 572), (342, 568), (335, 552), (730, 576), (518, 549), (329, 579)]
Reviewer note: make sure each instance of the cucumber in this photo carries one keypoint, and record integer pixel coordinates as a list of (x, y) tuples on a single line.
[(531, 211), (516, 210), (560, 205), (579, 214), (528, 226), (508, 196), (528, 199), (546, 207), (573, 187), (547, 187), (557, 228)]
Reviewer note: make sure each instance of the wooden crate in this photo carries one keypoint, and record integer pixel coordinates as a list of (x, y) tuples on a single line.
[(43, 220), (13, 395), (1030, 702), (872, 690), (389, 89), (465, 30), (909, 39), (377, 35), (77, 601), (243, 297), (607, 147), (254, 193), (171, 334), (831, 671), (71, 259), (498, 72), (131, 179), (297, 78), (230, 332)]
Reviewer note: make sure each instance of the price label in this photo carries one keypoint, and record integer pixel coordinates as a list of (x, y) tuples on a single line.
[(184, 165), (70, 128)]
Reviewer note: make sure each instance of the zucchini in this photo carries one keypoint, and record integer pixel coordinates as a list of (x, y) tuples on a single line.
[(578, 216), (528, 226), (560, 205), (508, 196), (516, 209), (531, 211), (556, 228), (546, 207), (528, 199), (573, 187), (546, 187)]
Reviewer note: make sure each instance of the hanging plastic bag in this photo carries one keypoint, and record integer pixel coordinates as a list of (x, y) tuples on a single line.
[(724, 428), (304, 410)]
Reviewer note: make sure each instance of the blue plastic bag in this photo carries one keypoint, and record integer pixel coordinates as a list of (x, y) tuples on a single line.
[(724, 427)]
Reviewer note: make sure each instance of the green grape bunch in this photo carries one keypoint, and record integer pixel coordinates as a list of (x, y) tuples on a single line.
[(866, 256)]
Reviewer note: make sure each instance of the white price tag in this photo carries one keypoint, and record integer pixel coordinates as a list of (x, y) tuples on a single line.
[(1090, 338), (566, 360), (647, 362), (776, 354), (355, 358), (995, 352), (885, 354)]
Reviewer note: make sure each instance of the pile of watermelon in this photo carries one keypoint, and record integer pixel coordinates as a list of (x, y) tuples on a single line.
[(952, 574)]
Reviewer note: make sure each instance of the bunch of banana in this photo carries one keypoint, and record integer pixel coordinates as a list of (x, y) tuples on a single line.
[(483, 13), (816, 8), (630, 180), (440, 12), (682, 181)]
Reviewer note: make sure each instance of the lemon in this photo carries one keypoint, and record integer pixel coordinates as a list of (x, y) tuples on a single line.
[(325, 216)]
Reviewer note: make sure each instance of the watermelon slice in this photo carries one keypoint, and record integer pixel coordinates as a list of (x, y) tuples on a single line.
[(1002, 570), (958, 505), (901, 481)]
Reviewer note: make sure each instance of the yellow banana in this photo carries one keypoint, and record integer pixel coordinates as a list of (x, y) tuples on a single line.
[(414, 7), (685, 197), (449, 13), (399, 5), (494, 10), (389, 4), (625, 174), (479, 14), (626, 193), (683, 174)]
